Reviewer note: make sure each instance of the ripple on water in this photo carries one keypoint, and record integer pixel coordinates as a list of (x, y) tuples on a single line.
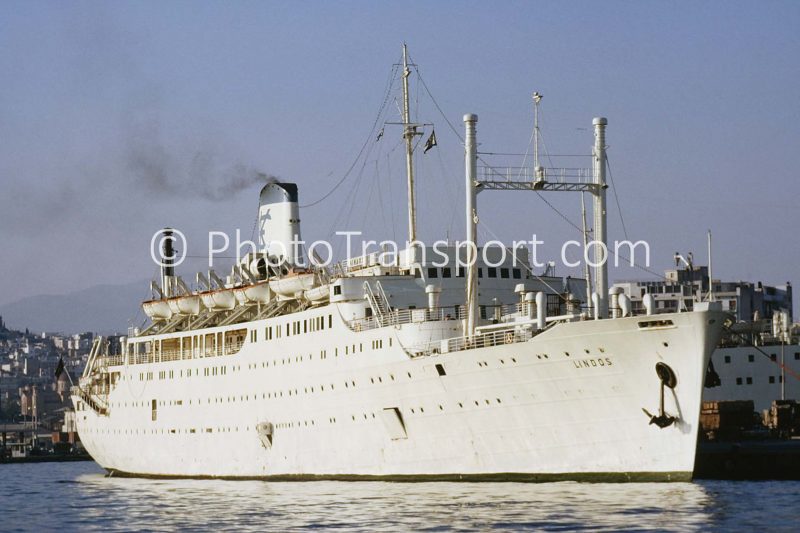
[(51, 496)]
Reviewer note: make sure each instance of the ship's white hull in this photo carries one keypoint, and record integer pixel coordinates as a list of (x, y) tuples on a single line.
[(565, 404)]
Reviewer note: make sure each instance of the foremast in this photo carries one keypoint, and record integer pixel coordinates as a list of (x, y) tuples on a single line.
[(409, 132)]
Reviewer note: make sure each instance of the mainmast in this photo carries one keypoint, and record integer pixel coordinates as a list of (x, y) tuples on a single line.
[(409, 132)]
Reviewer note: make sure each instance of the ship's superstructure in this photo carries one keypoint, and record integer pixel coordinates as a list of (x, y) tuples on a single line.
[(443, 363)]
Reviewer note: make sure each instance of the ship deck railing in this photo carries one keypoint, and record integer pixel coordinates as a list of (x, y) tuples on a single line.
[(511, 335), (548, 174), (408, 316), (169, 355)]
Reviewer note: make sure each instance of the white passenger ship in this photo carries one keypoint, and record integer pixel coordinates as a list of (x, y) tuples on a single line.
[(400, 371)]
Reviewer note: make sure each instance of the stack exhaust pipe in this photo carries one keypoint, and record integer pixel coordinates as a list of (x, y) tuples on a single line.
[(167, 262)]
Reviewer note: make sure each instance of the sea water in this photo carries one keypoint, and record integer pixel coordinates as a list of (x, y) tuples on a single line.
[(77, 496)]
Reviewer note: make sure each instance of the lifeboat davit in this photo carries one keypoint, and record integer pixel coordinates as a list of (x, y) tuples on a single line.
[(185, 305), (157, 309), (219, 300), (318, 294), (292, 284), (257, 293)]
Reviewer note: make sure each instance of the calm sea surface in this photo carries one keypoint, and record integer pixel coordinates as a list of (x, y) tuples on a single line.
[(76, 496)]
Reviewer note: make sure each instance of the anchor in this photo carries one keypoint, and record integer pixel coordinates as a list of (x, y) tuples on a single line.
[(668, 379)]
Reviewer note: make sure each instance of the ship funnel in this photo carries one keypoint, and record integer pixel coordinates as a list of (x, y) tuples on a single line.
[(279, 224)]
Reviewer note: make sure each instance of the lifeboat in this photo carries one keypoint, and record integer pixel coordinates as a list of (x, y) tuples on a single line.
[(219, 300), (257, 293), (185, 305), (318, 294), (157, 309), (292, 284)]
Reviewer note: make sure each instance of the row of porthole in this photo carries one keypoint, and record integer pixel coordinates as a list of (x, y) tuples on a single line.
[(502, 362), (380, 380), (160, 431), (288, 425), (243, 398)]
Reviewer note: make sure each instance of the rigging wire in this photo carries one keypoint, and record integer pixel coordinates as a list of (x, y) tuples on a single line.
[(356, 186), (380, 192), (391, 195), (436, 104), (539, 194), (369, 138), (367, 212), (529, 269), (616, 198), (457, 134), (450, 192)]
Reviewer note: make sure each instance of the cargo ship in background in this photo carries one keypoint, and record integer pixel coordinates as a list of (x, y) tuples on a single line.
[(472, 368)]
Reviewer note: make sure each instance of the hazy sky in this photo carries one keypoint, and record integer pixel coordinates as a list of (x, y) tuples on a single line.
[(119, 118)]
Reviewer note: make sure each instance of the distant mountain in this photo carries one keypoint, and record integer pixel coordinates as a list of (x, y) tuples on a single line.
[(102, 309)]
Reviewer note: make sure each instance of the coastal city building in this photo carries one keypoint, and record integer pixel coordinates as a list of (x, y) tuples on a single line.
[(758, 359), (35, 409), (681, 287)]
